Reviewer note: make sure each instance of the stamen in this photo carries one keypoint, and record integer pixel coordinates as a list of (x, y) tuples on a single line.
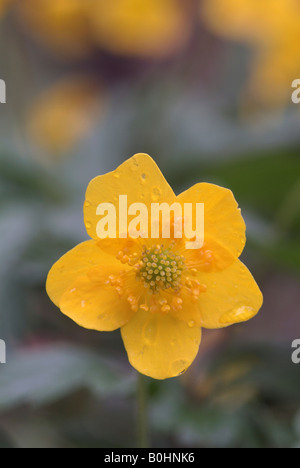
[(160, 268)]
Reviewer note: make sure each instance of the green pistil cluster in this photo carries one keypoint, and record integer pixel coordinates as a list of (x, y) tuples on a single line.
[(160, 268)]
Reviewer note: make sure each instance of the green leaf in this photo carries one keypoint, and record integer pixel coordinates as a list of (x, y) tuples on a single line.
[(42, 376)]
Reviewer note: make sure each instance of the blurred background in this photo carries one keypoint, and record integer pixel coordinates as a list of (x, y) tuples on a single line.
[(204, 87)]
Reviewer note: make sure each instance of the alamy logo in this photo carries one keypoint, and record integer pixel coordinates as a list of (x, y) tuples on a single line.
[(2, 352), (296, 353), (296, 93), (162, 220), (2, 92)]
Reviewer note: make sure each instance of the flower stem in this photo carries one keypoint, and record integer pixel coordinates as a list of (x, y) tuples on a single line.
[(142, 429)]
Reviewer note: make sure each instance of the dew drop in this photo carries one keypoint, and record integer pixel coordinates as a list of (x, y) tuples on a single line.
[(143, 178), (191, 324), (179, 367), (134, 165), (87, 204), (156, 194), (88, 225), (102, 316), (240, 314), (150, 333), (116, 175), (142, 351)]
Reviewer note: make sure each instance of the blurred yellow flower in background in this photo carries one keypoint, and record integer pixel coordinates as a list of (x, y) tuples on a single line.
[(271, 29), (3, 5), (141, 27), (156, 290), (63, 114), (74, 28), (60, 25)]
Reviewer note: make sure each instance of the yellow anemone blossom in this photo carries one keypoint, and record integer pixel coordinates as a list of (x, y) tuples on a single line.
[(271, 28), (156, 290)]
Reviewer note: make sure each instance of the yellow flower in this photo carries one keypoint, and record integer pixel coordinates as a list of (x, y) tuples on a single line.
[(271, 28), (60, 25), (156, 290), (3, 6), (74, 28), (64, 113), (141, 27)]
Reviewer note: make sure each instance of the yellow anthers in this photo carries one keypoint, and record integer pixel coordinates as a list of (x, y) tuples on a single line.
[(126, 258), (206, 259), (194, 288), (133, 302), (119, 290), (165, 309), (133, 259), (177, 303), (160, 268)]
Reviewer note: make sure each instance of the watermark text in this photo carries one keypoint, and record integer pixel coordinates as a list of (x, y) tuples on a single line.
[(296, 93), (2, 352), (161, 221), (2, 92), (296, 353)]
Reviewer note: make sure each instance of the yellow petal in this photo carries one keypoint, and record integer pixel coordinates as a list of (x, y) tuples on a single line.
[(232, 296), (139, 178), (94, 305), (160, 346), (223, 221), (211, 257), (141, 27), (74, 264)]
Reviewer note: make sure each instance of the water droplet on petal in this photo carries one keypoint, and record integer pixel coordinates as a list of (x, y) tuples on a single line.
[(179, 367), (142, 351), (102, 316), (143, 178), (87, 204), (150, 333), (88, 225), (240, 314), (156, 194), (116, 175), (134, 165), (191, 323)]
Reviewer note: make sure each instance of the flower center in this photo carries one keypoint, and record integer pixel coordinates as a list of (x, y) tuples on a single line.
[(160, 268)]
